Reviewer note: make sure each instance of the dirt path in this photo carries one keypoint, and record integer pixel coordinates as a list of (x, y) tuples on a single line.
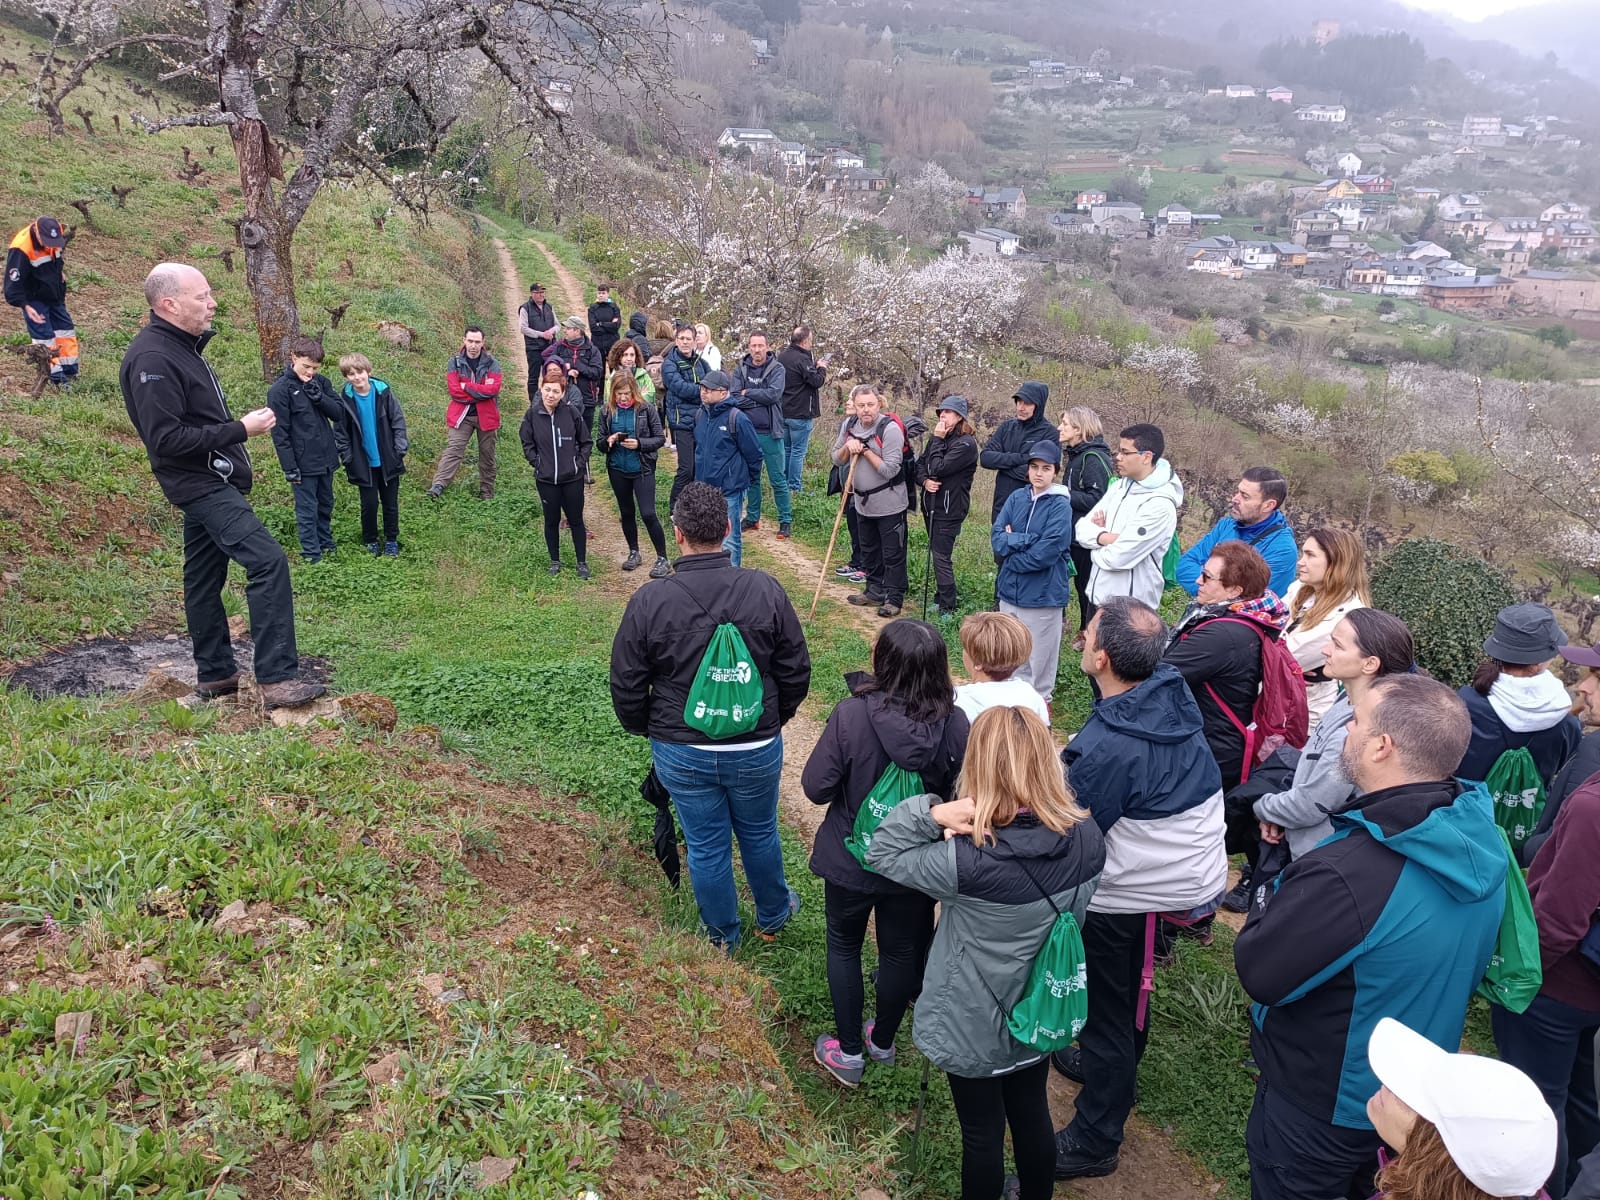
[(571, 291)]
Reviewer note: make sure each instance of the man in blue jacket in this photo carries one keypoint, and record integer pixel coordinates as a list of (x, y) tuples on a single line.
[(681, 372), (1257, 520), (726, 452), (1394, 915)]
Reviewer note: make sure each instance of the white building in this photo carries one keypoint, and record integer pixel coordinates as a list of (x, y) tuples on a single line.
[(1239, 91), (1325, 114), (988, 240), (1349, 163)]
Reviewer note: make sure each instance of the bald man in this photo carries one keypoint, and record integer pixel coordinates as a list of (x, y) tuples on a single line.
[(197, 451)]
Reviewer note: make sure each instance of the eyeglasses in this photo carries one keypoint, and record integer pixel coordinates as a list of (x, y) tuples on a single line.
[(1208, 577), (1121, 453)]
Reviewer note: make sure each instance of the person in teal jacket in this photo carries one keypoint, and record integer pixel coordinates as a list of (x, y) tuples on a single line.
[(1257, 520), (1032, 540)]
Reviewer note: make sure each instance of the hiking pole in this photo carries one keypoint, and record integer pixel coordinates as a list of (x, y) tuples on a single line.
[(922, 1101), (844, 498)]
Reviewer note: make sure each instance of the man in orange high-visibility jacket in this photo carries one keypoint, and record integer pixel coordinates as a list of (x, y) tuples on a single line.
[(36, 284)]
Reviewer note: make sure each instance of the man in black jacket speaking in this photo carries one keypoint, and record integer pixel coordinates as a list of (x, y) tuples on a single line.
[(197, 452), (720, 788)]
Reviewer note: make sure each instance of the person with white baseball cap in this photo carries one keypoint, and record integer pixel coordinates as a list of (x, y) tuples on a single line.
[(1463, 1127)]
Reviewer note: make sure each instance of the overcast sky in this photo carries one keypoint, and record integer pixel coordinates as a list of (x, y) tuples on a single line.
[(1469, 10)]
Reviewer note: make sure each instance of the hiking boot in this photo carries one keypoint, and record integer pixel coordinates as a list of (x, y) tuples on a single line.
[(864, 599), (748, 526), (1069, 1062), (771, 935), (783, 529), (661, 570), (211, 689), (889, 610), (374, 549), (290, 693), (555, 568), (391, 549), (846, 1068), (844, 570), (434, 493), (1238, 900), (884, 1057), (583, 570), (632, 562), (1074, 1162)]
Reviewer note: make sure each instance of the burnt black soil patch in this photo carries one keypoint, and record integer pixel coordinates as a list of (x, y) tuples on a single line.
[(101, 665)]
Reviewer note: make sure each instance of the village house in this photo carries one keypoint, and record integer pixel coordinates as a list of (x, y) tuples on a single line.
[(1291, 257), (1374, 185), (1107, 209), (1216, 262), (1071, 224), (1047, 68), (1339, 189), (1258, 256), (1467, 293), (758, 141), (1349, 163), (1280, 95), (1323, 114), (1087, 199), (1174, 219), (854, 179), (1325, 270), (1313, 228), (1511, 242), (1365, 277), (990, 241), (1239, 91), (1426, 194), (1558, 294), (1564, 210), (1441, 268), (1423, 251), (1000, 202), (1573, 240), (1461, 206), (1403, 278), (793, 156), (1482, 130), (1352, 213), (841, 158), (1120, 228)]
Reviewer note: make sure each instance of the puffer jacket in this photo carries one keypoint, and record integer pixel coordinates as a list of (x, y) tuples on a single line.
[(1143, 515), (393, 439), (726, 453), (1006, 451), (681, 377), (1036, 556), (994, 920), (1320, 785), (953, 461), (864, 734)]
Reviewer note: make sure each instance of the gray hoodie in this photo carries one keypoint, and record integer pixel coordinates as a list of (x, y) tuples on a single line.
[(1320, 785)]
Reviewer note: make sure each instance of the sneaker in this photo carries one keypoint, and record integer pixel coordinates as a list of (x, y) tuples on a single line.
[(846, 1068), (885, 1057), (1011, 1188), (290, 693), (1074, 1162), (632, 562), (865, 599), (1238, 900), (661, 570), (555, 568), (844, 571), (391, 549), (783, 529), (1069, 1062), (583, 570), (857, 576), (212, 688), (889, 610), (771, 935), (373, 548), (747, 526)]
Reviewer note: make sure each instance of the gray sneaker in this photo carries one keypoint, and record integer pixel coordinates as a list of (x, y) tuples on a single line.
[(883, 1057), (846, 1068), (632, 562), (661, 570), (583, 570)]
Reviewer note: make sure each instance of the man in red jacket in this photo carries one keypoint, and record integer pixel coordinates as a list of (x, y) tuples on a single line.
[(473, 378)]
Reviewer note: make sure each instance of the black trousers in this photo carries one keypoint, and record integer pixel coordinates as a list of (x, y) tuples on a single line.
[(387, 493), (1081, 566), (883, 556), (942, 532), (217, 528), (985, 1107), (1111, 1045), (1295, 1156), (563, 500), (683, 439), (638, 492), (853, 524), (905, 930)]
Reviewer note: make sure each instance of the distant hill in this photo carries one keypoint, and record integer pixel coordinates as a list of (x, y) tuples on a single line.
[(1568, 28)]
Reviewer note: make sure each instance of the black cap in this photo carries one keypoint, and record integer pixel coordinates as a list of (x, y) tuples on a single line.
[(536, 287), (717, 381), (47, 232)]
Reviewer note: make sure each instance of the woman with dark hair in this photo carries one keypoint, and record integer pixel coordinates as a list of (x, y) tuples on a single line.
[(903, 714), (624, 356), (630, 437), (1515, 702), (944, 471), (1216, 648), (1330, 582)]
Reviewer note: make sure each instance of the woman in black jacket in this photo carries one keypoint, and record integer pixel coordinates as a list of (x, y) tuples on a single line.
[(1087, 475), (556, 443), (630, 436), (945, 470), (903, 713)]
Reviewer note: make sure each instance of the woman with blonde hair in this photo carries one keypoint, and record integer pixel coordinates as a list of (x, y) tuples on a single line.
[(1002, 860), (704, 347), (630, 437), (1087, 475), (1329, 581)]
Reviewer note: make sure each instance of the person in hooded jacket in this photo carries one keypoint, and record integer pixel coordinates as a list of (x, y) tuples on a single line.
[(375, 430), (1032, 539), (1396, 914), (945, 469), (556, 442), (1128, 531), (1087, 475), (681, 372), (1585, 760), (309, 439), (1255, 517), (1515, 701), (630, 437), (1006, 452), (1002, 860), (904, 714), (605, 320), (1216, 649), (1142, 767), (726, 453), (639, 335)]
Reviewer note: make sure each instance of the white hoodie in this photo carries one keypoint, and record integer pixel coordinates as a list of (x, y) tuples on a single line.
[(1527, 704), (1144, 516)]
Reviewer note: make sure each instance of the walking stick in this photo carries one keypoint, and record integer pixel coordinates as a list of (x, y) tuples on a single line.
[(922, 1101), (844, 498)]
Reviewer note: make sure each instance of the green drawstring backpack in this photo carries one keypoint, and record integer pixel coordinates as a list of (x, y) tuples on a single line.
[(1518, 794), (1515, 972), (726, 696), (1055, 1000), (893, 786)]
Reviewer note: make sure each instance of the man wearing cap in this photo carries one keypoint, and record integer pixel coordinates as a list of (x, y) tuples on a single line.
[(536, 321), (1395, 914), (36, 283), (1032, 538), (1006, 451), (944, 472), (726, 453), (585, 369), (1496, 1127), (605, 319), (473, 380)]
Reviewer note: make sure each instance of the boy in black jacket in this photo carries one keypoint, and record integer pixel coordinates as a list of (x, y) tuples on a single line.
[(309, 450)]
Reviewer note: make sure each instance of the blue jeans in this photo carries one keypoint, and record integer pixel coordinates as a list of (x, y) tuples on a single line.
[(798, 436), (772, 452), (1553, 1044), (723, 793), (734, 542), (313, 513)]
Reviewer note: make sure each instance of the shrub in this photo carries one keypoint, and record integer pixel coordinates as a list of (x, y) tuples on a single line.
[(1448, 597)]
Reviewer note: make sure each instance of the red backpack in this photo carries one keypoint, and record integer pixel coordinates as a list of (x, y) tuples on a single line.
[(1280, 716)]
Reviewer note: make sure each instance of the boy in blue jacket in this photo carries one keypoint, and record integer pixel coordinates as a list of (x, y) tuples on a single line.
[(726, 452), (1032, 539)]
